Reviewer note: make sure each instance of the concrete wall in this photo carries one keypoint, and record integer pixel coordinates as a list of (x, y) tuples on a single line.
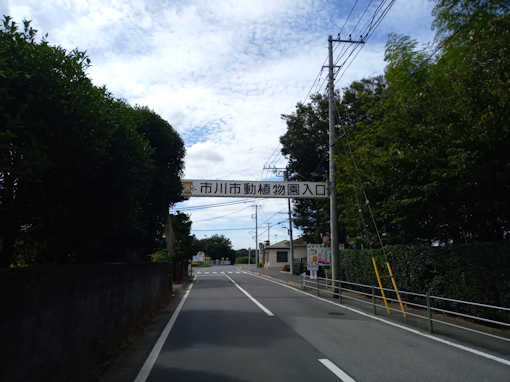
[(59, 323)]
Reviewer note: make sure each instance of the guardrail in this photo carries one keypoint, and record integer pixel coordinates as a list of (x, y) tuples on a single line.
[(431, 304)]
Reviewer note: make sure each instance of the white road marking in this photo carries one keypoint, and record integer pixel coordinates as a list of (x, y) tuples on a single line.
[(262, 307), (215, 272), (222, 273), (229, 273), (199, 272), (414, 331), (206, 273), (336, 370), (239, 272), (144, 372)]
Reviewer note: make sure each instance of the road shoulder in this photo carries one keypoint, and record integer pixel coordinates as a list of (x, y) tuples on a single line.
[(132, 353)]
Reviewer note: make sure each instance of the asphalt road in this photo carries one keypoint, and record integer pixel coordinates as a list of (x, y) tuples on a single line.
[(268, 332)]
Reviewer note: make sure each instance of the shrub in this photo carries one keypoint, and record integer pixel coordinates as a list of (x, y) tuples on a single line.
[(244, 260), (478, 272)]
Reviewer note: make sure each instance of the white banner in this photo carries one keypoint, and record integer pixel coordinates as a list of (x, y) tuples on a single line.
[(248, 189)]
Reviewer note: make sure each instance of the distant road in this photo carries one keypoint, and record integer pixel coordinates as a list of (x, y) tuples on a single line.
[(234, 326)]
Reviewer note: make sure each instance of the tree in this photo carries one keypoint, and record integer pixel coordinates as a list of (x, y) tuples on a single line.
[(216, 247), (84, 177), (184, 242), (165, 186), (425, 151), (306, 144), (434, 160)]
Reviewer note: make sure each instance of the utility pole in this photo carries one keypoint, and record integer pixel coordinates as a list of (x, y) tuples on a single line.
[(291, 240), (285, 172), (256, 237), (335, 258), (268, 231), (249, 256)]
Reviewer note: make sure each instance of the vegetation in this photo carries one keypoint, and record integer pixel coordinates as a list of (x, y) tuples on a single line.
[(199, 264), (84, 177), (216, 247), (244, 260), (474, 272), (424, 148)]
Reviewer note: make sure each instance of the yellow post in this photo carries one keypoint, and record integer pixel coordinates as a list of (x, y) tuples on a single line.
[(380, 286), (396, 290)]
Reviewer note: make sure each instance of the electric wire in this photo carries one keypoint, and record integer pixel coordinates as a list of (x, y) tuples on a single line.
[(222, 216), (212, 205)]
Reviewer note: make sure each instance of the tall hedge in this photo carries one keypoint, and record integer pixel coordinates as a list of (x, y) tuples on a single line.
[(478, 272)]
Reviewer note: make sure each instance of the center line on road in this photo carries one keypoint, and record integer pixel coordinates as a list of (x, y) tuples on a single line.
[(343, 376), (264, 309)]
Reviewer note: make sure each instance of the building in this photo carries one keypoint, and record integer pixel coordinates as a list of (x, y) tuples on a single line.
[(278, 254)]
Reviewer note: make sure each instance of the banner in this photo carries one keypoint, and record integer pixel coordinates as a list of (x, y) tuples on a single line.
[(248, 189)]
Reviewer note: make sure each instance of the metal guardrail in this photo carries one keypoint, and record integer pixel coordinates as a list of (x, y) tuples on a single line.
[(338, 288)]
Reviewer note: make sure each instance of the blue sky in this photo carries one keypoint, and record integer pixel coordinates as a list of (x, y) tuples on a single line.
[(221, 72)]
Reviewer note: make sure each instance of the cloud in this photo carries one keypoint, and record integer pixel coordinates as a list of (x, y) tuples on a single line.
[(204, 153)]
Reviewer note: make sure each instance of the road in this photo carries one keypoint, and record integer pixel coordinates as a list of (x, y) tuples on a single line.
[(234, 326)]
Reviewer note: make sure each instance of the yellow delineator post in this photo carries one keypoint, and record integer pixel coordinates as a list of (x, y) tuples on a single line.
[(380, 286), (396, 290)]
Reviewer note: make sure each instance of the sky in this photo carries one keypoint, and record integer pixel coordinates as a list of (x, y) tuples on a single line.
[(221, 73)]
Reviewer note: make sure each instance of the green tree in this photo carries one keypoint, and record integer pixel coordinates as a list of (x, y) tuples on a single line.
[(84, 177), (434, 160), (216, 246), (306, 145), (184, 242), (165, 186)]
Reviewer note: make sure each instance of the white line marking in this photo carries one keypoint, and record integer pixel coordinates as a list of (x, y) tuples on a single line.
[(144, 372), (215, 272), (429, 336), (336, 370), (264, 309), (239, 272), (222, 273), (229, 273), (199, 272), (206, 273)]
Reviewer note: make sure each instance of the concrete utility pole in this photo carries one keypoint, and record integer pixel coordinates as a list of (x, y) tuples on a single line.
[(291, 240), (335, 258), (256, 236), (249, 256), (278, 171)]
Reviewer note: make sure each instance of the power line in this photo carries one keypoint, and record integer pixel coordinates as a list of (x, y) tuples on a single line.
[(368, 30), (205, 206), (269, 218), (223, 229), (220, 217)]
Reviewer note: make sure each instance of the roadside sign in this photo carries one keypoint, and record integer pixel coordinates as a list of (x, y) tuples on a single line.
[(318, 254), (249, 189)]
